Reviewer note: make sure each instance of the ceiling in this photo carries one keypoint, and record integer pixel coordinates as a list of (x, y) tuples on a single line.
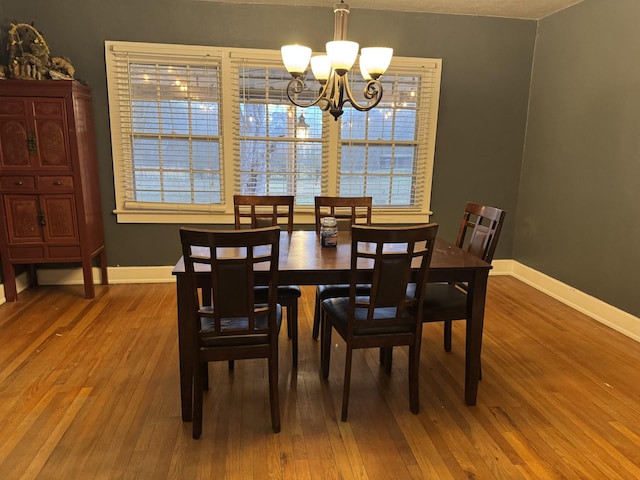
[(524, 9)]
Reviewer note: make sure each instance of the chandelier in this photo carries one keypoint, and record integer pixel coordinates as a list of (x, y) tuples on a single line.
[(332, 70)]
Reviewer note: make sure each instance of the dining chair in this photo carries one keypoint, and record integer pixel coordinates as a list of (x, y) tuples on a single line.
[(347, 211), (478, 234), (386, 317), (228, 322), (447, 302), (267, 210)]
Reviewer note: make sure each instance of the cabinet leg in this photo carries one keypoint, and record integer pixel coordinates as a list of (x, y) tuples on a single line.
[(9, 275), (103, 267), (89, 291), (33, 274)]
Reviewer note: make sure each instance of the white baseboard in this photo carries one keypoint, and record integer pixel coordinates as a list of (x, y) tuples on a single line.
[(117, 275), (609, 315)]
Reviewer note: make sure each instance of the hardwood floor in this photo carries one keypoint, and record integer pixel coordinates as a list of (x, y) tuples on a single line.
[(89, 390)]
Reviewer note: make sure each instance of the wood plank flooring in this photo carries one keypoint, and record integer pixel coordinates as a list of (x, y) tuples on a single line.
[(89, 390)]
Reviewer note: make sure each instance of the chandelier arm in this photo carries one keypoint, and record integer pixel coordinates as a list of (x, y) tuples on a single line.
[(296, 86), (372, 91), (327, 103)]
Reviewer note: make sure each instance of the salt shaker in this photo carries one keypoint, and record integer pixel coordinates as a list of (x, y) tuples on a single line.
[(328, 232)]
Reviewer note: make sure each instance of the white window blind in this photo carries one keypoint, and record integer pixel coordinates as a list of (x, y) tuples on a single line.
[(193, 125), (168, 129), (280, 147), (386, 153)]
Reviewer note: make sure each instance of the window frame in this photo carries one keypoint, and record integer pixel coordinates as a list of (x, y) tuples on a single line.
[(223, 213)]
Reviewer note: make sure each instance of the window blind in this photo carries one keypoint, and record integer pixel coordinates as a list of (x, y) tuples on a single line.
[(280, 148), (385, 152), (168, 111)]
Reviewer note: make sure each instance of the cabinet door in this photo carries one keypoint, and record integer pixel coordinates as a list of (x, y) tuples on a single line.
[(34, 133), (59, 219), (23, 219), (16, 136), (51, 133)]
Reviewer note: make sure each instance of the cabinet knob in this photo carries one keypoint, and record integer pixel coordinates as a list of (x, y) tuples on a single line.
[(57, 182), (18, 183)]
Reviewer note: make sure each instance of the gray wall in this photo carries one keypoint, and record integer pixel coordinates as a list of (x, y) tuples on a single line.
[(578, 206), (485, 84)]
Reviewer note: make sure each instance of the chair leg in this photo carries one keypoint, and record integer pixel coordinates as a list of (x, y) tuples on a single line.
[(205, 375), (292, 326), (447, 335), (198, 393), (274, 399), (288, 310), (347, 383), (325, 348), (386, 358), (316, 316), (414, 376)]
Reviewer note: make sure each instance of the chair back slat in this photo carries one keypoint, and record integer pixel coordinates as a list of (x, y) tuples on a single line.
[(480, 230), (229, 300), (346, 210), (258, 211), (391, 273)]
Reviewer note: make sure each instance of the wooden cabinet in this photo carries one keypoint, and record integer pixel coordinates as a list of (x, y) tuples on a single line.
[(49, 191)]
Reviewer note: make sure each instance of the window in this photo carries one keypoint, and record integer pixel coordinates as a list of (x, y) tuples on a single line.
[(280, 146), (191, 126)]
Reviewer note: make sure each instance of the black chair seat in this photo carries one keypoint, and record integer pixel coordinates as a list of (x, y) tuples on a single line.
[(340, 290), (339, 309), (228, 325), (284, 291), (442, 301)]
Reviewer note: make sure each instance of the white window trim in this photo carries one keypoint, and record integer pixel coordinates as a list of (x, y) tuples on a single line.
[(223, 214)]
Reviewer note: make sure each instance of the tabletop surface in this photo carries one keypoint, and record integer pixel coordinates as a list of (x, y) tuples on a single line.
[(303, 259)]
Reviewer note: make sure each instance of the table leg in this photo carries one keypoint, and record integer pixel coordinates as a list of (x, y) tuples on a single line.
[(186, 363), (475, 323)]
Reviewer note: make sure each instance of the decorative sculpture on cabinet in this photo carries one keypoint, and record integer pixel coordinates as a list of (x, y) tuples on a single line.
[(30, 57)]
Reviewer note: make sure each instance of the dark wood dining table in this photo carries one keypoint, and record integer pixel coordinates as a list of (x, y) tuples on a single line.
[(304, 262)]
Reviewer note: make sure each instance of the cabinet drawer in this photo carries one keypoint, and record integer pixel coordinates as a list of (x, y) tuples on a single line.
[(17, 183), (55, 183), (25, 254), (68, 252)]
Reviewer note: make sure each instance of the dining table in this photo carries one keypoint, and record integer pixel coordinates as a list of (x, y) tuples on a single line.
[(303, 261)]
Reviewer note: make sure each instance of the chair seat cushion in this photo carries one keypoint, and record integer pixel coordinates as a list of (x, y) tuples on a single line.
[(442, 301), (284, 291), (341, 290), (209, 338), (338, 310)]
